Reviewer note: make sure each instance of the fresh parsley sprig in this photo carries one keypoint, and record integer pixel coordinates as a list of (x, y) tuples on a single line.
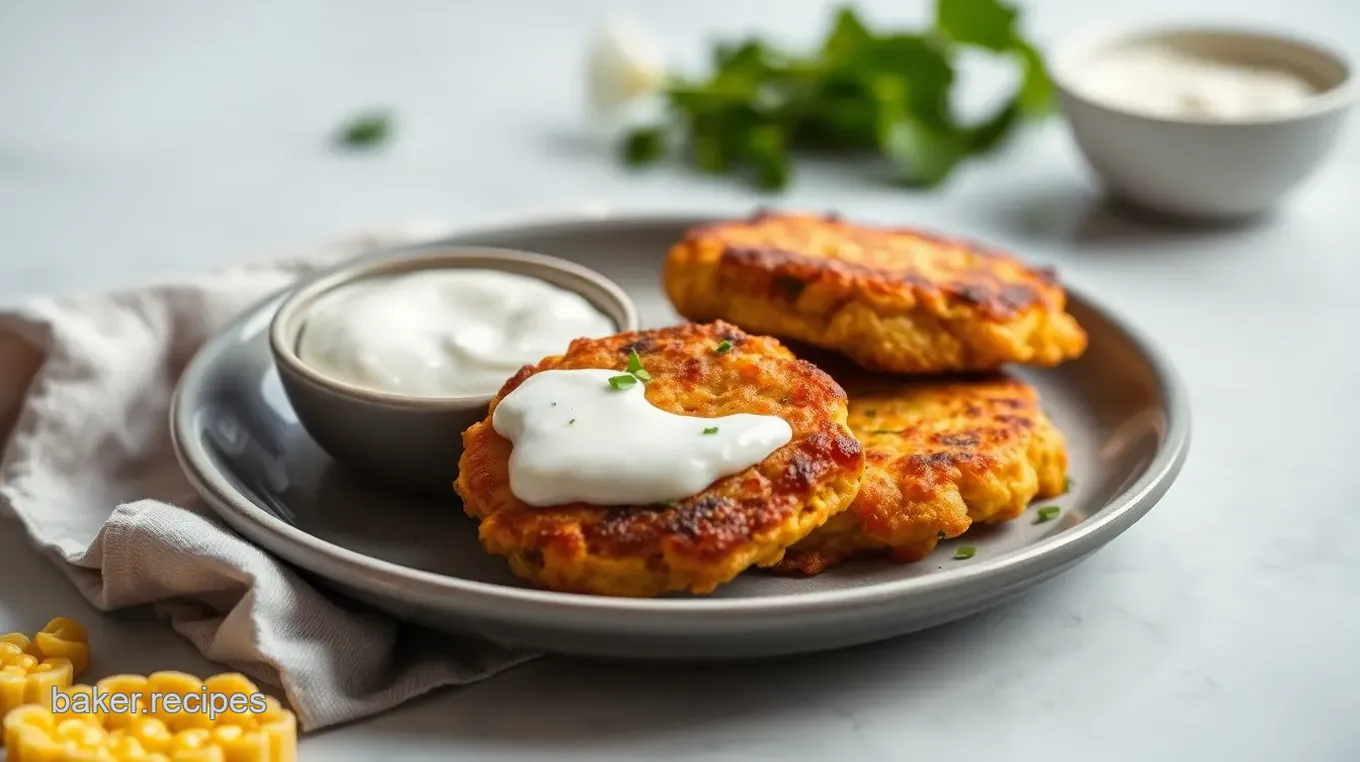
[(863, 91)]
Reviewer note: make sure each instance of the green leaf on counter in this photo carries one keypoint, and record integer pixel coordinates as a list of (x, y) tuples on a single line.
[(644, 145), (367, 130)]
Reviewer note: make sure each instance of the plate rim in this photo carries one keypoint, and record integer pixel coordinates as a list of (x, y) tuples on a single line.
[(1066, 546)]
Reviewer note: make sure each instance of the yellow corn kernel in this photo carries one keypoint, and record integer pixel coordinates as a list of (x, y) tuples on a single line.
[(17, 639), (43, 678), (205, 754), (134, 687), (32, 733), (241, 745), (163, 684), (280, 725), (31, 668), (228, 685), (66, 639), (34, 718), (80, 732), (150, 732), (32, 745), (12, 683), (12, 652), (126, 748)]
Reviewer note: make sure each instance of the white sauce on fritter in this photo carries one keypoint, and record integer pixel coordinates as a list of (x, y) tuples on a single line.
[(443, 332), (1159, 80), (577, 438)]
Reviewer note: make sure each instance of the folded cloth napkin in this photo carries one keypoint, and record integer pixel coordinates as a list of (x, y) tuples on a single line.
[(88, 471)]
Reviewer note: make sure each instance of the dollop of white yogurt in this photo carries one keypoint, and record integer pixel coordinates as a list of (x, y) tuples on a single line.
[(1160, 80), (578, 439), (442, 332)]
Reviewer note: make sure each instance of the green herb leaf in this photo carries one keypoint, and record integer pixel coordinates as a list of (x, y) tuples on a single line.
[(635, 368), (939, 535), (367, 130), (1035, 98), (723, 347), (862, 91), (571, 421), (885, 431), (711, 430), (965, 552), (922, 156), (1047, 513), (623, 381), (986, 23), (1067, 484), (644, 145), (849, 36)]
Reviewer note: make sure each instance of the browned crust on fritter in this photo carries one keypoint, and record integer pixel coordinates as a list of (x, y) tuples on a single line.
[(705, 540), (940, 455), (971, 307)]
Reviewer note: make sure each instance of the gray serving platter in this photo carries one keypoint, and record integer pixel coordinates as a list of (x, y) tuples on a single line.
[(1123, 411)]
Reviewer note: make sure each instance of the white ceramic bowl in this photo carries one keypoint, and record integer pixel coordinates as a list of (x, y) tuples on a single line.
[(1197, 167)]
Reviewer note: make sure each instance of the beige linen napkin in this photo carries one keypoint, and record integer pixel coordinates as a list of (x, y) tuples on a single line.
[(87, 471)]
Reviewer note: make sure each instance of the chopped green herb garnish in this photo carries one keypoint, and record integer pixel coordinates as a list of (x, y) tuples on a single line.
[(622, 381), (1046, 513), (884, 431), (870, 413), (885, 91), (635, 368), (1067, 485), (571, 421), (711, 430), (939, 535), (366, 131), (723, 347), (665, 504), (964, 553)]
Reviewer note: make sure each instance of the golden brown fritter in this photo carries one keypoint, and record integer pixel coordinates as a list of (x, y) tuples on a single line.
[(893, 300), (940, 455), (702, 541)]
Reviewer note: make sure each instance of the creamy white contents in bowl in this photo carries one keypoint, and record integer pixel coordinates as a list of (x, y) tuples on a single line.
[(1161, 80), (580, 438), (443, 332)]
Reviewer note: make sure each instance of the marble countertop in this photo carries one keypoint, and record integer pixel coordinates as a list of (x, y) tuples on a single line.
[(145, 138)]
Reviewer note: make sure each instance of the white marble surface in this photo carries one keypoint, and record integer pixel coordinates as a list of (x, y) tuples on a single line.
[(141, 138)]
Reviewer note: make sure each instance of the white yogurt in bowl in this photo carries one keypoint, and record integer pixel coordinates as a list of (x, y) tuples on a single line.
[(1162, 80), (442, 332), (1202, 123), (387, 360)]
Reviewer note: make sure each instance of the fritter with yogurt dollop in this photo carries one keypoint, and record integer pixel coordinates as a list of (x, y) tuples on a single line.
[(699, 542)]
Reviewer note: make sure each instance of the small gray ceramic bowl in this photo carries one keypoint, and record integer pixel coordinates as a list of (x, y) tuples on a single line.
[(409, 443), (1201, 168)]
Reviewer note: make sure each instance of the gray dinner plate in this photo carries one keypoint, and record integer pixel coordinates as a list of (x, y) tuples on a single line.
[(1120, 405)]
